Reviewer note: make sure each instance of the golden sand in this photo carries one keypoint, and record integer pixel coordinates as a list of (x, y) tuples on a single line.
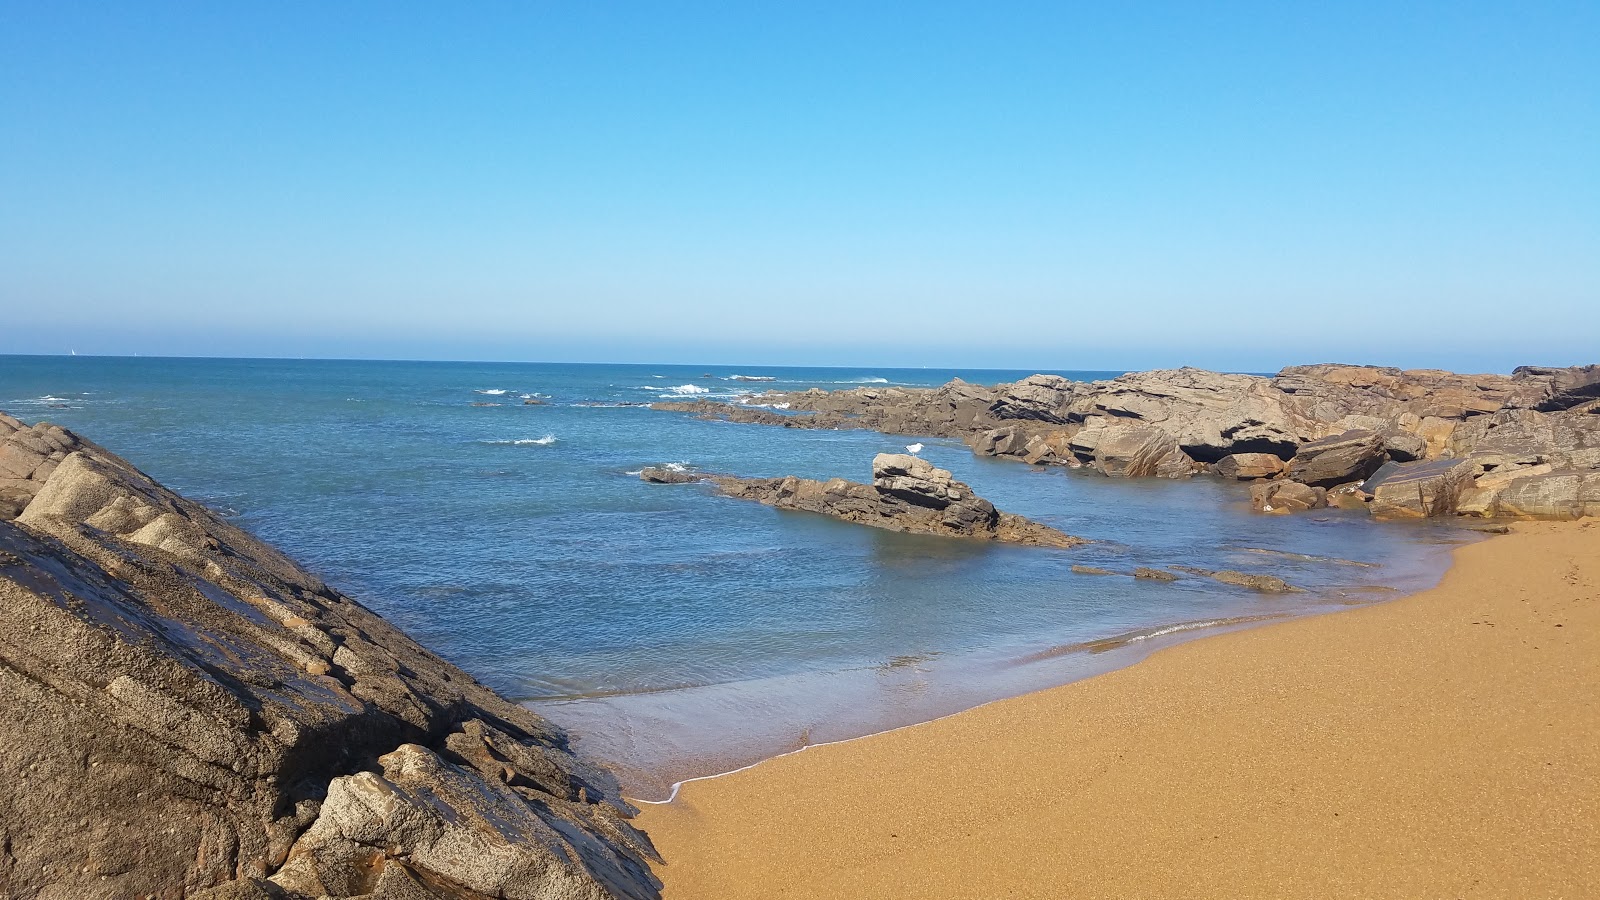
[(1443, 745)]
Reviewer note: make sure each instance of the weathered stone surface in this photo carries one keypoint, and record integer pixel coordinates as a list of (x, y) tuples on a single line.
[(1556, 495), (1153, 574), (667, 475), (1136, 452), (28, 457), (1558, 389), (1327, 393), (1330, 461), (184, 708), (1091, 570), (1042, 398), (1419, 489), (1286, 497), (907, 494), (1249, 466)]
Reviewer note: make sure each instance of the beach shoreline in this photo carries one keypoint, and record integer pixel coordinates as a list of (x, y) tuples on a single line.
[(1441, 744)]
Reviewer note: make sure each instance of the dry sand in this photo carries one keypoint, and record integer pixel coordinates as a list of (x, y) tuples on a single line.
[(1443, 745)]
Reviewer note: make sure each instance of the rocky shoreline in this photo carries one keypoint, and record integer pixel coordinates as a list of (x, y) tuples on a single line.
[(1399, 443), (192, 714)]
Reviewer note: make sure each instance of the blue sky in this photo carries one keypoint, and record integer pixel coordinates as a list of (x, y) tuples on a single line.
[(1053, 185)]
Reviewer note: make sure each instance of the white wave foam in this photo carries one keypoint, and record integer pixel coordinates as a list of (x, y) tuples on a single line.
[(751, 378), (545, 441), (493, 392), (686, 389)]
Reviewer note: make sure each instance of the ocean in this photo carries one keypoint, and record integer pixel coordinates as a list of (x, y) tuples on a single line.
[(676, 633)]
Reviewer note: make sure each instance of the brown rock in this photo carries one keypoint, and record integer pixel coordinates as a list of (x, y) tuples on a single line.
[(1153, 574), (1342, 458), (1557, 495), (1282, 497), (1419, 489), (1249, 466)]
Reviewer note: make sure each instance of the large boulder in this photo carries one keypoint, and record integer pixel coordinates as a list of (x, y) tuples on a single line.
[(1249, 466), (1282, 497), (1419, 489), (1330, 461), (1142, 452), (184, 707)]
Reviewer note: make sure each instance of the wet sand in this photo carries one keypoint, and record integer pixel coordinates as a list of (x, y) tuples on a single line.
[(1442, 745)]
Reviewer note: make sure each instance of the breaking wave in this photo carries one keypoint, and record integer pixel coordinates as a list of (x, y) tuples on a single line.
[(545, 441)]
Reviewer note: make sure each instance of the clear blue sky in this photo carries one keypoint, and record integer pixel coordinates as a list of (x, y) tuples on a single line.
[(1052, 185)]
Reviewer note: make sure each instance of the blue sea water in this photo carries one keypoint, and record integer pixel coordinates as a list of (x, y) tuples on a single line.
[(675, 632)]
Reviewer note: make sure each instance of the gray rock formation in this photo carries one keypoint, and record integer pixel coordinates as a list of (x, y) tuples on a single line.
[(190, 713), (907, 494)]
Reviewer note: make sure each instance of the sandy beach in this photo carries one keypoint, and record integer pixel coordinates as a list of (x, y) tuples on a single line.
[(1442, 745)]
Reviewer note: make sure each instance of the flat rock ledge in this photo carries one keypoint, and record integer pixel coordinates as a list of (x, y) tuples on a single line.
[(907, 494), (185, 712)]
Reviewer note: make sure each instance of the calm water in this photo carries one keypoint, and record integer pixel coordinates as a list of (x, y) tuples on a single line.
[(675, 632)]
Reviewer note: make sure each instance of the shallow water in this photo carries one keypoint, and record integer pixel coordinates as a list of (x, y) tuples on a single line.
[(676, 632)]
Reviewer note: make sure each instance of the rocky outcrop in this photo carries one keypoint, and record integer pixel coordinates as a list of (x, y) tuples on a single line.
[(1330, 425), (1551, 390), (187, 712), (907, 494)]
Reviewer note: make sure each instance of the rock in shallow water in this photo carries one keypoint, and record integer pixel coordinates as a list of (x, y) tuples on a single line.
[(907, 494)]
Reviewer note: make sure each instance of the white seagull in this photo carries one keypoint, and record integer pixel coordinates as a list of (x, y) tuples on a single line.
[(913, 449)]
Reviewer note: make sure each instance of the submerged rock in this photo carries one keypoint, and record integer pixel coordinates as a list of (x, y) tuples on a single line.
[(187, 712), (1286, 497), (667, 475), (907, 494), (1267, 584)]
